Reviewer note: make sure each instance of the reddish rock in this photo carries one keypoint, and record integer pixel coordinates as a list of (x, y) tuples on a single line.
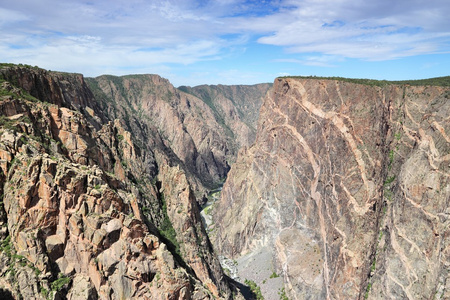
[(75, 187)]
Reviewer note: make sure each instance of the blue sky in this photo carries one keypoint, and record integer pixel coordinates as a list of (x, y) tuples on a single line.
[(230, 41)]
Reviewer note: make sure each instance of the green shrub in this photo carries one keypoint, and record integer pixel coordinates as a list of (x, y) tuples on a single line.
[(256, 290), (366, 295), (274, 275), (6, 246), (44, 292), (391, 158), (389, 180), (166, 228), (59, 283), (282, 294)]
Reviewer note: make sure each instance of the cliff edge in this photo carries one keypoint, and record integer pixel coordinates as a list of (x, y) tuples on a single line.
[(94, 207), (347, 189)]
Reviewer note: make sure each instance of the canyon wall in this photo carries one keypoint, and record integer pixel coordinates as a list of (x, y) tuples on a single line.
[(236, 106), (344, 185), (202, 131), (347, 188), (97, 204)]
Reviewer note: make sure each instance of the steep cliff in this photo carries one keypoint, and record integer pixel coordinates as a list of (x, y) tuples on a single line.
[(201, 137), (342, 191), (90, 208), (235, 106), (347, 188)]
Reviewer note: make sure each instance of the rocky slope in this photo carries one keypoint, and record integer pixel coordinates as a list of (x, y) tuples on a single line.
[(235, 106), (342, 191), (96, 207), (347, 189), (203, 134)]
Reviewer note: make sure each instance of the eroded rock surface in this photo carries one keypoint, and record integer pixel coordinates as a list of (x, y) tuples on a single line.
[(201, 131), (235, 106), (90, 210), (348, 186)]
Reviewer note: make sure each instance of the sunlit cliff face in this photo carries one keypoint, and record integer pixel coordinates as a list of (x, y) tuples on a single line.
[(343, 181), (335, 189)]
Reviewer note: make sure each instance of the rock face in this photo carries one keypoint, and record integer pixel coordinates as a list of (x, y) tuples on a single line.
[(203, 134), (347, 185), (91, 209), (236, 107)]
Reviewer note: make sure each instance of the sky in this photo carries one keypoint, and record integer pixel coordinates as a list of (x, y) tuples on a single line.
[(230, 41)]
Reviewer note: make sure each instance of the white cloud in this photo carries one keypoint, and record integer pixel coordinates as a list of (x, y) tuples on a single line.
[(283, 74), (78, 53), (371, 30), (137, 35), (10, 16), (315, 61)]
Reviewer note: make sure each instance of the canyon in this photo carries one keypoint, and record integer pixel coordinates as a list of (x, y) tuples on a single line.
[(332, 188)]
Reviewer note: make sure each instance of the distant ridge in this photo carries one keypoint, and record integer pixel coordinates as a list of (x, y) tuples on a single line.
[(435, 81)]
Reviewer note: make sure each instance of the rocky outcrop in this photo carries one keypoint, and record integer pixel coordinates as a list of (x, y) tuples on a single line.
[(412, 255), (347, 186), (192, 131), (194, 245), (90, 211), (234, 106)]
